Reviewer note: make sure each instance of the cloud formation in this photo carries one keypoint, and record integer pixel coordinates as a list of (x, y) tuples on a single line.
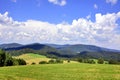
[(102, 32), (111, 1), (58, 2)]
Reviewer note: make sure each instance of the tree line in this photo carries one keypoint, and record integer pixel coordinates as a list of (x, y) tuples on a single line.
[(7, 60), (99, 61)]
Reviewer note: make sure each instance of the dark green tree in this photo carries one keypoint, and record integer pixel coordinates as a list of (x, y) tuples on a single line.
[(113, 61), (21, 62), (80, 60), (100, 61), (59, 61), (2, 57), (43, 62), (68, 61), (33, 63), (51, 61)]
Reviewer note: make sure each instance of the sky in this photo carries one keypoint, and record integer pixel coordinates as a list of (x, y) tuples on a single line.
[(92, 22)]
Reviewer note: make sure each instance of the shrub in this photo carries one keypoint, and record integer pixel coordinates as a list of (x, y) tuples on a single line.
[(43, 62), (33, 63), (80, 60), (91, 61), (51, 61), (113, 62), (9, 62), (59, 61), (68, 61), (100, 61), (2, 57), (21, 61)]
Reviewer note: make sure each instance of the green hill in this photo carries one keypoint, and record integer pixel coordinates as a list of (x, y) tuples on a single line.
[(66, 51), (76, 71), (31, 57)]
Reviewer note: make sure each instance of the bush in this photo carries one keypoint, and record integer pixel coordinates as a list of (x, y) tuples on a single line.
[(21, 61), (113, 62), (80, 60), (43, 62), (68, 61), (51, 61), (9, 62), (100, 61), (33, 63), (91, 61), (2, 57), (59, 61)]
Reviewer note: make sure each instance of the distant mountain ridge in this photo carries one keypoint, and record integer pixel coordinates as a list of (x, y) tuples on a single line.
[(35, 46), (77, 50), (10, 45), (81, 47)]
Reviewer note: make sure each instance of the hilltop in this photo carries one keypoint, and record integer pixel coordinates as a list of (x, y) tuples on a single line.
[(64, 51)]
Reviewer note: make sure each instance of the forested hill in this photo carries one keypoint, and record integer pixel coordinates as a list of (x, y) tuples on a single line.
[(66, 51)]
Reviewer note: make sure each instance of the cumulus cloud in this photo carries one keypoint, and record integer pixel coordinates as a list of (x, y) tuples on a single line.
[(88, 17), (111, 1), (101, 32), (95, 6), (58, 2)]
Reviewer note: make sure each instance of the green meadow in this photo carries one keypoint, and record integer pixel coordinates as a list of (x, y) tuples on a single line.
[(31, 57), (68, 71)]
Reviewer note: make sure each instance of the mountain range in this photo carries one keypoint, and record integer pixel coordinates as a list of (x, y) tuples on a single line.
[(66, 51)]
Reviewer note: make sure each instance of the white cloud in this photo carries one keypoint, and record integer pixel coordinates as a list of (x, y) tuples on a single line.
[(95, 6), (111, 1), (88, 17), (102, 32), (58, 2)]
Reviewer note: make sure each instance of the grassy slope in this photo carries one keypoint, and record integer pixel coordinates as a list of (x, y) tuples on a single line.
[(71, 71), (31, 57)]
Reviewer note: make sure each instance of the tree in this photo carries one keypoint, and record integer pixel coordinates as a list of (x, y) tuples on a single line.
[(91, 61), (100, 61), (42, 62), (80, 60), (33, 63), (9, 62), (113, 61), (2, 57), (68, 61), (59, 61), (21, 61), (51, 61)]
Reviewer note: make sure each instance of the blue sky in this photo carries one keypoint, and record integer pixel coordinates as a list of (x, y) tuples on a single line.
[(22, 10), (95, 22)]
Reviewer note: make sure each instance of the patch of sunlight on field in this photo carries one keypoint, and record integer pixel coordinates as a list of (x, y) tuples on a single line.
[(31, 57), (37, 60)]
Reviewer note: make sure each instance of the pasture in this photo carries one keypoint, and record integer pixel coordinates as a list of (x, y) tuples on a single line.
[(68, 71), (31, 57)]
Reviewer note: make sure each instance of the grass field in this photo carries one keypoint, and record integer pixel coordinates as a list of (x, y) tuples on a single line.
[(70, 71), (36, 58), (31, 57)]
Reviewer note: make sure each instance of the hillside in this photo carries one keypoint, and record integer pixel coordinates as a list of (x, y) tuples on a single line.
[(66, 51), (76, 71), (32, 57)]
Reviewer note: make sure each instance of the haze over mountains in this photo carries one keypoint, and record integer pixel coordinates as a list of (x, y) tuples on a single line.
[(67, 51)]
